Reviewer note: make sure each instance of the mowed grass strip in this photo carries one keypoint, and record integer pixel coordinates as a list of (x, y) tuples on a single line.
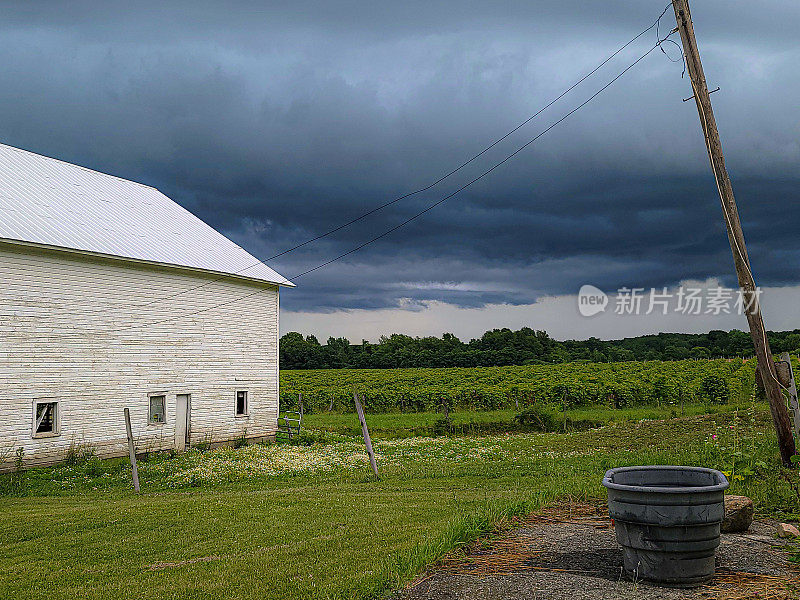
[(339, 534), (409, 424)]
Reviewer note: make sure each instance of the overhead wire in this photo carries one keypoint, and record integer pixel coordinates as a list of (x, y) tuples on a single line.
[(482, 175), (428, 208), (673, 42), (410, 219), (756, 304), (429, 186), (485, 150), (729, 226)]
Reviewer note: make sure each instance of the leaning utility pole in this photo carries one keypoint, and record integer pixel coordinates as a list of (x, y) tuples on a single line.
[(766, 366)]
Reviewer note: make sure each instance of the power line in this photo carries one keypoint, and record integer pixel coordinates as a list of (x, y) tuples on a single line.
[(482, 152), (412, 218), (469, 161), (486, 172), (415, 216)]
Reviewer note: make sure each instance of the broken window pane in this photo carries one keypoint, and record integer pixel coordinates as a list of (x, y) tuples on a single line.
[(46, 417)]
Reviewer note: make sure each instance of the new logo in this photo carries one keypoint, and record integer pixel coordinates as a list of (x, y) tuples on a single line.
[(591, 300)]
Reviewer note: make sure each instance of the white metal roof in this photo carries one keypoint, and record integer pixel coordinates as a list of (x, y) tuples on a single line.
[(54, 203)]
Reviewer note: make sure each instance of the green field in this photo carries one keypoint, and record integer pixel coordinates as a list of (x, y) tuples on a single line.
[(624, 384), (308, 520), (487, 422)]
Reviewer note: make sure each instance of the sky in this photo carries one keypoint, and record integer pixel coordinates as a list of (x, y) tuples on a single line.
[(277, 122)]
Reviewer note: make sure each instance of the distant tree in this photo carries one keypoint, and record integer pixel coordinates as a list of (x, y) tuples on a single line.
[(294, 351), (524, 346)]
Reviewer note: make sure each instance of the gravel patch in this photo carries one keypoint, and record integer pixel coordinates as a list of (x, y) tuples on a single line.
[(573, 555)]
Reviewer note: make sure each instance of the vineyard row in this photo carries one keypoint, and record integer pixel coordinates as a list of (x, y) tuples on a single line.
[(488, 388)]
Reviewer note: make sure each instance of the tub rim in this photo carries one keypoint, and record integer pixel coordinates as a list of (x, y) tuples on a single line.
[(723, 484)]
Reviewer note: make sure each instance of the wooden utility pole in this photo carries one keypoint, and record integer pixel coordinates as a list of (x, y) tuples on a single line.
[(766, 365)]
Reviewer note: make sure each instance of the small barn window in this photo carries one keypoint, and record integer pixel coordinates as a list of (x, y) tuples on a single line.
[(45, 418), (241, 403), (158, 410)]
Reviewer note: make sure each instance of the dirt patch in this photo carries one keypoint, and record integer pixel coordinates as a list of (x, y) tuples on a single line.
[(570, 551)]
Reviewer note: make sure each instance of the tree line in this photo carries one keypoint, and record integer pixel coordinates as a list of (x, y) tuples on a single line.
[(501, 347)]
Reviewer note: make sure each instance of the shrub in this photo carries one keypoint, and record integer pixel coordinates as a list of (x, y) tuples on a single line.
[(14, 483), (442, 426), (539, 418), (94, 467), (241, 441), (205, 443), (78, 454), (715, 389)]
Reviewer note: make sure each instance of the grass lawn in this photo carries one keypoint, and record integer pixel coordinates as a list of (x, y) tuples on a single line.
[(309, 522), (392, 425)]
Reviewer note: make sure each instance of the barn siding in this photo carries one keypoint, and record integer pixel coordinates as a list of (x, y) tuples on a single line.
[(71, 330)]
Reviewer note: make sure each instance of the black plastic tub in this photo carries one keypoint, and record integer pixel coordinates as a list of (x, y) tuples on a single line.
[(667, 521)]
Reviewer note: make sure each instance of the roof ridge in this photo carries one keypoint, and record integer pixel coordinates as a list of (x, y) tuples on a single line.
[(69, 164), (126, 227)]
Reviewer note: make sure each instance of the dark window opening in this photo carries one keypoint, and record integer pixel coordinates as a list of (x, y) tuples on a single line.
[(241, 403), (46, 417)]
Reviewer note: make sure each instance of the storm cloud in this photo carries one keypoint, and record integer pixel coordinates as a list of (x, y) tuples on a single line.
[(275, 122)]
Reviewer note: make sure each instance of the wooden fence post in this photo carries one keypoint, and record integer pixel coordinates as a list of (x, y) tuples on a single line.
[(365, 433), (132, 450)]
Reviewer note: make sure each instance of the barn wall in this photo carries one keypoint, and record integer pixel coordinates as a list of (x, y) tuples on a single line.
[(72, 330)]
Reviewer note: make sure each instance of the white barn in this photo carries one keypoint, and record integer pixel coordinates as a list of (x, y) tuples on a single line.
[(114, 296)]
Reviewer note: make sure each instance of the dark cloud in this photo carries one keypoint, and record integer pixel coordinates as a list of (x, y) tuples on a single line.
[(275, 122)]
